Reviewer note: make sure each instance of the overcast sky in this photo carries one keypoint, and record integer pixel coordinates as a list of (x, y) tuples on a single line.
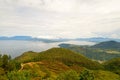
[(60, 18)]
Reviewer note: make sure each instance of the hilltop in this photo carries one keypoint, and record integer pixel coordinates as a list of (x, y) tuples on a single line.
[(107, 45), (65, 56)]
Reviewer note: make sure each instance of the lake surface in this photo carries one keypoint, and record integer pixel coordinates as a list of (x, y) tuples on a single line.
[(16, 48)]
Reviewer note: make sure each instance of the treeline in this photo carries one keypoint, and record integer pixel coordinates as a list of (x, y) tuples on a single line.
[(7, 65)]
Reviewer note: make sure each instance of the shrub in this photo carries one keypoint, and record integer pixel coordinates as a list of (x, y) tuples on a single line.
[(69, 75)]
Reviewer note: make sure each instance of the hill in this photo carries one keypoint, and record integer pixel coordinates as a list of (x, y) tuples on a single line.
[(52, 70), (96, 52), (105, 75), (65, 56), (61, 64), (56, 64), (26, 56), (108, 45), (113, 65)]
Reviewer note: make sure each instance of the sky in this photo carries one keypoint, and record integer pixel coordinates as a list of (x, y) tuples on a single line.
[(60, 18)]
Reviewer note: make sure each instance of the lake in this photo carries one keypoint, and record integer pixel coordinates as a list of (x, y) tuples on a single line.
[(16, 48)]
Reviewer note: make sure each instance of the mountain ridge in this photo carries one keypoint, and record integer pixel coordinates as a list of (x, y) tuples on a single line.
[(107, 45), (47, 40), (65, 56), (30, 38)]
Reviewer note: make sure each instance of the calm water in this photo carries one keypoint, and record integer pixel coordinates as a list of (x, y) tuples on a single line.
[(16, 48)]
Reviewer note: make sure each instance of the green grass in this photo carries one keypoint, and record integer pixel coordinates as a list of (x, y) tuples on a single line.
[(65, 56), (105, 75)]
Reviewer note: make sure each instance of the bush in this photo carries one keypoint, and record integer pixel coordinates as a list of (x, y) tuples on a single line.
[(86, 75), (19, 75), (69, 75)]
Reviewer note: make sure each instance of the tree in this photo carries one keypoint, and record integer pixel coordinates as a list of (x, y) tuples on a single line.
[(86, 75), (1, 60), (5, 60)]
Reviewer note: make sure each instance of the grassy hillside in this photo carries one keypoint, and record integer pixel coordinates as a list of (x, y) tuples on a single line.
[(113, 45), (105, 75), (113, 65), (93, 52), (59, 71), (26, 56), (65, 56), (45, 69)]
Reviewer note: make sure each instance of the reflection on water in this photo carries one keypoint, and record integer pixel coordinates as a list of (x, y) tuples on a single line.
[(16, 48)]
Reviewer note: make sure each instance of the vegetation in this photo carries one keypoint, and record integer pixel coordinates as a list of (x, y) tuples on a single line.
[(15, 75), (68, 75), (96, 52), (26, 56), (65, 56), (105, 75), (113, 65), (86, 75), (57, 64), (113, 45)]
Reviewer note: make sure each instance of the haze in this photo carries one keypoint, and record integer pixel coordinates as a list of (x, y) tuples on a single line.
[(60, 18)]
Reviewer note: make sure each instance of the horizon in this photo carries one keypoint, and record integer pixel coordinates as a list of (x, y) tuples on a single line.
[(56, 37)]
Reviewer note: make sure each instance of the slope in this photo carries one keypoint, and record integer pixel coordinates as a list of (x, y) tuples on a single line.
[(113, 65), (94, 52), (108, 45), (65, 56)]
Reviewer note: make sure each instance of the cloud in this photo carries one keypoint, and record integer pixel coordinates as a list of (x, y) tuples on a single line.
[(60, 18)]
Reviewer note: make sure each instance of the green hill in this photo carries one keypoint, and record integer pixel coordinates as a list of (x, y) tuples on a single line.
[(108, 45), (94, 53), (26, 56), (57, 64), (105, 75), (65, 56), (113, 65)]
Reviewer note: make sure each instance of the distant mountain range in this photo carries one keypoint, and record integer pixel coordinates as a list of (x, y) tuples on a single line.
[(30, 38), (97, 39)]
